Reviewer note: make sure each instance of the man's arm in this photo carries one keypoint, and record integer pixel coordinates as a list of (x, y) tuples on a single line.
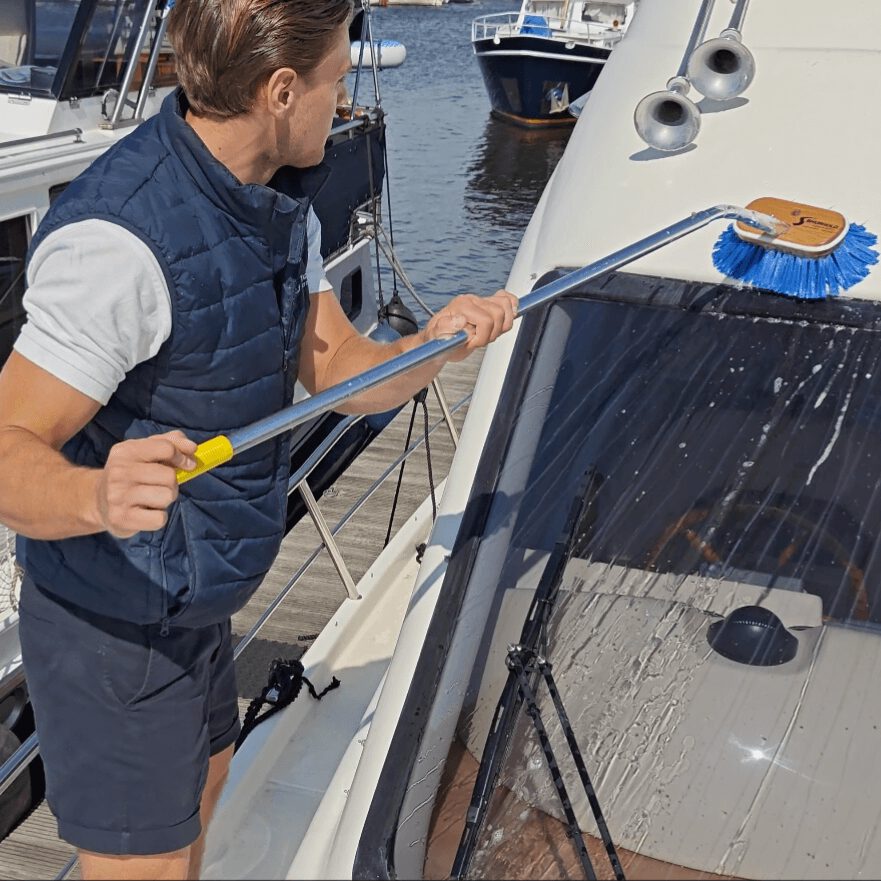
[(81, 338), (332, 350), (43, 495)]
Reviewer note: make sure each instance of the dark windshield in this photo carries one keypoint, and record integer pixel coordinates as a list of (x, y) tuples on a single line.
[(722, 447), (67, 48), (725, 448)]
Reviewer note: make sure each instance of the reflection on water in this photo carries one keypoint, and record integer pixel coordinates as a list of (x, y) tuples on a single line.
[(509, 172), (463, 186)]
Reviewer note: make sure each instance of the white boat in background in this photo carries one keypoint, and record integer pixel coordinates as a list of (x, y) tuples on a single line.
[(667, 487), (549, 54)]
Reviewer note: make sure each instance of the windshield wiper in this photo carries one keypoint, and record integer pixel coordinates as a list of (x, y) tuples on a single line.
[(527, 664)]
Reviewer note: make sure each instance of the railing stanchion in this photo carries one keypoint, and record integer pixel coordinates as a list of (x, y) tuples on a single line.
[(18, 761), (328, 540), (445, 409), (368, 494), (132, 67)]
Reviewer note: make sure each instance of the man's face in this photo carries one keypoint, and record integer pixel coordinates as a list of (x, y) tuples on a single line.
[(313, 110)]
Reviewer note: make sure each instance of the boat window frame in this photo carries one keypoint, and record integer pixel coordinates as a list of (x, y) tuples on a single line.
[(63, 85), (374, 857), (82, 21), (375, 854)]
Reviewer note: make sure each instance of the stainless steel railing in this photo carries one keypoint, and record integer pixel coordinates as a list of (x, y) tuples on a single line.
[(152, 61), (368, 493), (132, 67), (17, 762), (245, 641), (157, 15), (500, 25), (75, 133)]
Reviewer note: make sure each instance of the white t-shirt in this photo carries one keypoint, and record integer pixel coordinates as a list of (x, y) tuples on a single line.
[(97, 303)]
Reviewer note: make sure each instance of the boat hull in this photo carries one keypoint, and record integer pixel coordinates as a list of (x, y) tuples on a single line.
[(531, 80)]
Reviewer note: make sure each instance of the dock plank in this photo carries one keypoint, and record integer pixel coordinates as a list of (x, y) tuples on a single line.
[(33, 849)]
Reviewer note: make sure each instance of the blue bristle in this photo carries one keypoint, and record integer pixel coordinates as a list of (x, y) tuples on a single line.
[(808, 278)]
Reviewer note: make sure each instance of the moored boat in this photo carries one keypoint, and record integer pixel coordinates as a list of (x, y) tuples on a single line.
[(537, 61)]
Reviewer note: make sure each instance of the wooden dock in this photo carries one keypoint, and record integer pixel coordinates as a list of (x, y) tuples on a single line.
[(33, 849)]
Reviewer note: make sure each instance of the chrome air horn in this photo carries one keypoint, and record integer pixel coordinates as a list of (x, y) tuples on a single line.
[(668, 120), (723, 68)]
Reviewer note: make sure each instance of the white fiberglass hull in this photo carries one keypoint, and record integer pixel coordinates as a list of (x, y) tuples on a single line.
[(290, 781)]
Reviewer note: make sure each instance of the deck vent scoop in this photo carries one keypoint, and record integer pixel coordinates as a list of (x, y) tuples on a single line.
[(752, 635)]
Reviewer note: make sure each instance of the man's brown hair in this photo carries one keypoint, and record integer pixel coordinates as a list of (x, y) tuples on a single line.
[(226, 49)]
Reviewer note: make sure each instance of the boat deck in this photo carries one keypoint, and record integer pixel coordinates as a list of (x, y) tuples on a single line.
[(33, 849)]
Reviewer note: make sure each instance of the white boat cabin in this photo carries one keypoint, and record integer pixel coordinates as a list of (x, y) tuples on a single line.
[(594, 22), (63, 64)]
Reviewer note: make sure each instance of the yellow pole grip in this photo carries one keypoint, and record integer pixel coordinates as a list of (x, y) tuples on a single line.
[(208, 455)]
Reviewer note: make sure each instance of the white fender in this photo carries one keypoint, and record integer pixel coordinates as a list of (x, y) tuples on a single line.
[(389, 53)]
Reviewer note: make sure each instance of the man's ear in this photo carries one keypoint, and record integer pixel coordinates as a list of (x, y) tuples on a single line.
[(280, 91)]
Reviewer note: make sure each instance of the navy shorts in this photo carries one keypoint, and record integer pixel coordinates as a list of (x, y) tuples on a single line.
[(127, 718)]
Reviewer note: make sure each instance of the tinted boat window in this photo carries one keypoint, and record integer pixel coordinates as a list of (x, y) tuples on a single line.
[(16, 32), (106, 46), (67, 48), (53, 23), (13, 248), (41, 29), (725, 455), (725, 446), (738, 446)]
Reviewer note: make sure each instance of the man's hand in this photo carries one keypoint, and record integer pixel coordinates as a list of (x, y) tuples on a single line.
[(332, 350), (139, 482), (482, 318)]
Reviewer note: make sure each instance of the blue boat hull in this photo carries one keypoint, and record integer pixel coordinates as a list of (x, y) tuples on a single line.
[(523, 75)]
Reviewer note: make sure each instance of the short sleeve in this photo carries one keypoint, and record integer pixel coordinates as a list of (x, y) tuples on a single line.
[(315, 277), (97, 305)]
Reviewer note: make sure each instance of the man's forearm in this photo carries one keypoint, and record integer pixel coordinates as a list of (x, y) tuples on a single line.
[(42, 495), (360, 353)]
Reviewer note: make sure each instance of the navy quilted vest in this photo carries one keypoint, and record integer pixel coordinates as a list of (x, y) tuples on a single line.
[(234, 259)]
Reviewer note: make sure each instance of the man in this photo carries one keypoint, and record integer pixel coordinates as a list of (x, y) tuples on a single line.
[(175, 292)]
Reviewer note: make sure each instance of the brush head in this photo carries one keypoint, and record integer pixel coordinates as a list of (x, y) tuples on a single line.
[(812, 231), (818, 254)]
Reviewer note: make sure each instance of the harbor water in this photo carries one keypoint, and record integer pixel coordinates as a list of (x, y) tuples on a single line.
[(463, 185)]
